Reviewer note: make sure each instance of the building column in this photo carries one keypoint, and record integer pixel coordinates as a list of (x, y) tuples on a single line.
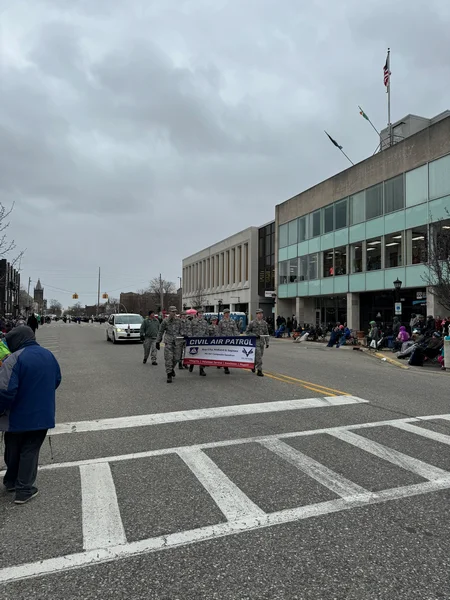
[(353, 313), (299, 310)]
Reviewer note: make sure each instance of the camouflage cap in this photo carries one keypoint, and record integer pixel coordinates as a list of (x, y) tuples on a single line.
[(259, 310), (172, 309), (226, 310)]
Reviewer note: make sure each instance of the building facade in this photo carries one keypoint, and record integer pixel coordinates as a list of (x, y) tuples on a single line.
[(9, 288), (341, 244), (234, 273), (38, 295)]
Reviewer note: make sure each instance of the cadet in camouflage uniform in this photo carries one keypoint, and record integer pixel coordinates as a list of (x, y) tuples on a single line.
[(170, 329), (200, 328), (227, 327), (148, 334), (185, 331), (214, 327), (257, 328)]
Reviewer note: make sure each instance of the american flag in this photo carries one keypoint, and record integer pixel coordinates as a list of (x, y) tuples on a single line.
[(386, 71)]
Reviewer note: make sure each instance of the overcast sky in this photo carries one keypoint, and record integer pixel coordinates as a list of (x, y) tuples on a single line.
[(134, 133)]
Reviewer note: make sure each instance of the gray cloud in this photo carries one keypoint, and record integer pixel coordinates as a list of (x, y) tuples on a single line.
[(133, 134)]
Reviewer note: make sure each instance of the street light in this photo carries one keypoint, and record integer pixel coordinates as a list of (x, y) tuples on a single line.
[(397, 288), (219, 302)]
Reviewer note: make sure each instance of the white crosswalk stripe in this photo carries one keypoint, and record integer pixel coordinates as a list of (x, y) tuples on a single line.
[(105, 535)]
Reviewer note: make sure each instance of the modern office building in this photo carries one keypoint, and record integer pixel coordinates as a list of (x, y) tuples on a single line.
[(235, 273), (341, 244)]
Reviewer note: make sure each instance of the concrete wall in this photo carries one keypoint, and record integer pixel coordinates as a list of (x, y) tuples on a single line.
[(427, 145)]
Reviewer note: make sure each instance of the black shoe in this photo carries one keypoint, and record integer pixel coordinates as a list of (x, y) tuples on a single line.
[(253, 370), (186, 366), (180, 366), (10, 487), (24, 500), (191, 368), (144, 361), (260, 373), (202, 372), (218, 367), (227, 371), (173, 373), (169, 378), (154, 363)]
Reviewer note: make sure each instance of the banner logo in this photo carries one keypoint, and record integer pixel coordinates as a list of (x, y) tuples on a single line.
[(193, 351)]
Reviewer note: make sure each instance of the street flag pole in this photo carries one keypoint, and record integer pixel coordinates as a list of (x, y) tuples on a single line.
[(338, 146), (387, 83), (363, 114)]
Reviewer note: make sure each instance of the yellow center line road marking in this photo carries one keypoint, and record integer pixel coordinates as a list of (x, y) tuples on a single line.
[(316, 385), (316, 389)]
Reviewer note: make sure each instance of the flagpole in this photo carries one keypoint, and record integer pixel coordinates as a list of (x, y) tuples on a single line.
[(346, 156), (389, 95), (367, 119)]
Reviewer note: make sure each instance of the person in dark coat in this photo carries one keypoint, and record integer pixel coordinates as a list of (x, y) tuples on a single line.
[(33, 322), (29, 378)]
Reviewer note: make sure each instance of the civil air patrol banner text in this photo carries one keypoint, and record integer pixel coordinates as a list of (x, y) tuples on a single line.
[(236, 352)]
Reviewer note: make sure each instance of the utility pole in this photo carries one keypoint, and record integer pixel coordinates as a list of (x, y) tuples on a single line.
[(161, 293), (98, 292), (29, 283)]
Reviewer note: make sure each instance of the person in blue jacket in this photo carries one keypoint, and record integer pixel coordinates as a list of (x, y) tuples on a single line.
[(29, 378)]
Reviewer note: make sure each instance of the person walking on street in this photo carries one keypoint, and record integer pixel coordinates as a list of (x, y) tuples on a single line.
[(170, 329), (148, 334), (200, 328), (185, 331), (33, 322), (258, 327), (227, 327), (29, 378)]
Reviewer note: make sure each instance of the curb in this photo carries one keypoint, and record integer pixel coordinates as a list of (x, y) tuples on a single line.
[(391, 361)]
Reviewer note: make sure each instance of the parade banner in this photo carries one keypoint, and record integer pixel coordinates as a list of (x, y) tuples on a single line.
[(235, 352)]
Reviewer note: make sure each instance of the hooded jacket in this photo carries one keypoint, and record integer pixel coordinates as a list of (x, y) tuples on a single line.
[(28, 380)]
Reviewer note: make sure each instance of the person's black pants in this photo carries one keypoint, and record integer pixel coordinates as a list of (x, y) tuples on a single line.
[(21, 458)]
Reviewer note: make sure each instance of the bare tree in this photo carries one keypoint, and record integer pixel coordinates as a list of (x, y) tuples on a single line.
[(162, 291), (76, 310), (438, 262), (25, 300), (198, 299), (55, 307)]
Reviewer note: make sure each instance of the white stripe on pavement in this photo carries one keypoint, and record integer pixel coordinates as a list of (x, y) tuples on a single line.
[(333, 481), (184, 538), (203, 413), (231, 500), (395, 457), (426, 433), (102, 524), (237, 441)]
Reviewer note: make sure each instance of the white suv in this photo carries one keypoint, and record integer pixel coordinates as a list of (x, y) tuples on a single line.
[(123, 326)]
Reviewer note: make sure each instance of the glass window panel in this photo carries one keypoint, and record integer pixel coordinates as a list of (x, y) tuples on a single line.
[(373, 259), (303, 275), (374, 201), (313, 264), (393, 245), (440, 177), (293, 270), (328, 219), (393, 194), (283, 236), (340, 261), (419, 245), (328, 263), (356, 258), (293, 237), (283, 271), (357, 208), (417, 186), (441, 246), (340, 214), (315, 223), (302, 229)]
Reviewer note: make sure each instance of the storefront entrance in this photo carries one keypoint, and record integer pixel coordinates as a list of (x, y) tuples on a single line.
[(379, 306)]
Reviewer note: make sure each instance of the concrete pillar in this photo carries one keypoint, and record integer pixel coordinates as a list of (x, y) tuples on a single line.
[(309, 311), (221, 264), (353, 315), (300, 310)]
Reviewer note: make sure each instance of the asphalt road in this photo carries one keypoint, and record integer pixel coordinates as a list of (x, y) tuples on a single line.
[(329, 478)]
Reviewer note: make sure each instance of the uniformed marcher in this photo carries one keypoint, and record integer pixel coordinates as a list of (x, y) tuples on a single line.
[(149, 333), (214, 327), (200, 328), (185, 331), (258, 328), (227, 327), (170, 329)]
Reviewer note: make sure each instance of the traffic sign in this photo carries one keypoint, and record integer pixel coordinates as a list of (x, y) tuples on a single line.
[(398, 308)]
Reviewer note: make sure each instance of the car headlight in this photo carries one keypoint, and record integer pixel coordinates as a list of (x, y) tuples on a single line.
[(119, 330)]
